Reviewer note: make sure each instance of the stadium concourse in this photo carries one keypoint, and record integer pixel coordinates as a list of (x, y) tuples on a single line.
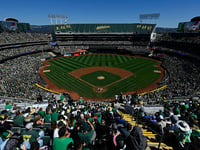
[(89, 125)]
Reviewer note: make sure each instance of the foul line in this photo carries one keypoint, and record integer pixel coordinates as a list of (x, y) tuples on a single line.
[(162, 87), (46, 89)]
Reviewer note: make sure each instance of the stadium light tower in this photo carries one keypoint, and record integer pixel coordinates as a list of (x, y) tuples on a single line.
[(55, 17)]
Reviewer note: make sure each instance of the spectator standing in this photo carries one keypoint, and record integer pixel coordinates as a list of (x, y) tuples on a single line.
[(8, 106), (54, 115), (18, 120), (87, 135), (64, 141)]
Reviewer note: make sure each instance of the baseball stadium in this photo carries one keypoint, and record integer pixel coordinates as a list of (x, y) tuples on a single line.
[(99, 86)]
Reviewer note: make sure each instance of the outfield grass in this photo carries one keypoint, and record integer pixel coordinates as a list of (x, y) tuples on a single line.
[(142, 68)]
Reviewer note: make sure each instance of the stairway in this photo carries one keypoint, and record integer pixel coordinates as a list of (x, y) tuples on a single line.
[(152, 142)]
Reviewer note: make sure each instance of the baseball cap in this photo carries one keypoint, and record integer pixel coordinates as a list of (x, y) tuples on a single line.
[(2, 117), (183, 126), (60, 123), (29, 125), (161, 117)]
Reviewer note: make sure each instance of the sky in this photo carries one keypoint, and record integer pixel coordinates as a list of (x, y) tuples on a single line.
[(36, 12)]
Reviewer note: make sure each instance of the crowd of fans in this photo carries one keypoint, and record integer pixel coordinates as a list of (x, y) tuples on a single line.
[(10, 38), (19, 75), (83, 125), (17, 51), (76, 125), (182, 77), (185, 38), (179, 123)]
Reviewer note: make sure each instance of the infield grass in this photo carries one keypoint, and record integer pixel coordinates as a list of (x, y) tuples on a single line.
[(93, 78)]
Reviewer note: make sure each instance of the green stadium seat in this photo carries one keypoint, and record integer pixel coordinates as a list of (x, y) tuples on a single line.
[(23, 129), (46, 140), (93, 28), (124, 28), (76, 28), (87, 28)]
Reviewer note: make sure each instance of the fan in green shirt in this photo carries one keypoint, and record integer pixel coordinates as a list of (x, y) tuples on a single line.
[(87, 136), (64, 141), (47, 118), (62, 98), (18, 119), (41, 112), (29, 134), (81, 100), (8, 106), (54, 115)]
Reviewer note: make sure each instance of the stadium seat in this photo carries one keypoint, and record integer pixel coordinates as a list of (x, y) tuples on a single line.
[(16, 130), (46, 140), (37, 129), (47, 125), (23, 129)]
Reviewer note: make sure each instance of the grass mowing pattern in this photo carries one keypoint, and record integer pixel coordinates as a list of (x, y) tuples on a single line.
[(108, 78), (142, 68)]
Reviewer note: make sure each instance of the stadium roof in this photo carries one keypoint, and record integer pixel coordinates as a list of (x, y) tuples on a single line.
[(195, 19)]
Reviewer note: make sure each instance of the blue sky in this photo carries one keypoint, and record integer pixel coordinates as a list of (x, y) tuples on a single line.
[(36, 12)]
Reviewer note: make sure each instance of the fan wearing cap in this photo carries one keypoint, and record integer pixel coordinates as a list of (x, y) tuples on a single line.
[(60, 124), (3, 122), (29, 134), (6, 136), (87, 135), (184, 132)]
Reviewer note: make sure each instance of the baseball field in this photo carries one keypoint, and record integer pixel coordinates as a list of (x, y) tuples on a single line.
[(101, 76)]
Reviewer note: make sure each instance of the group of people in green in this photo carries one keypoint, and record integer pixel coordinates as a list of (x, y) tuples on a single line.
[(82, 125), (180, 122), (76, 126)]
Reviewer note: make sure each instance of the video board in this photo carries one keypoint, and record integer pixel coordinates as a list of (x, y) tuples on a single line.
[(14, 27), (189, 26)]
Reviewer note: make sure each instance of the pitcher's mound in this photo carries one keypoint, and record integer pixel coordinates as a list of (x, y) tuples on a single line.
[(100, 77)]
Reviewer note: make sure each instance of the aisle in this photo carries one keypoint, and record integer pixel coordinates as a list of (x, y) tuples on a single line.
[(152, 142)]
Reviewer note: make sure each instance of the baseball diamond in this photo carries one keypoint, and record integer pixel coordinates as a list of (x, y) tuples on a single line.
[(101, 76)]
